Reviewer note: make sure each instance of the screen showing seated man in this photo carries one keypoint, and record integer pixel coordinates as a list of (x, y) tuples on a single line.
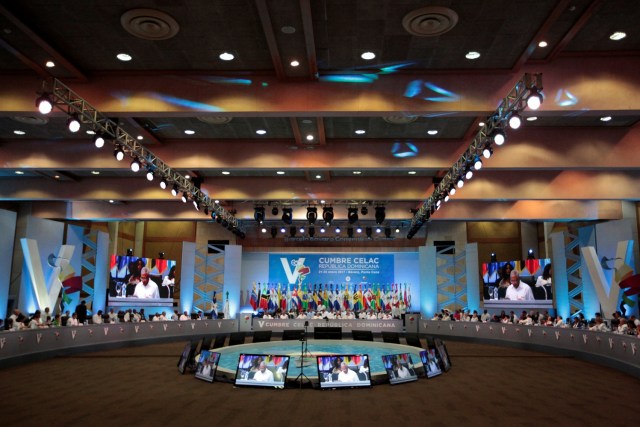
[(399, 368), (148, 280), (207, 365), (534, 275), (430, 361), (262, 370), (344, 371)]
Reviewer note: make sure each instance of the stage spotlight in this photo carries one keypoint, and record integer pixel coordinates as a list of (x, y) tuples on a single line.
[(378, 230), (218, 219), (150, 175), (130, 252), (98, 140), (224, 223), (477, 164), (515, 120), (494, 258), (73, 123), (487, 152), (350, 232), (530, 254), (312, 231), (283, 230), (44, 104), (446, 198), (460, 182), (185, 197), (301, 230), (174, 190), (118, 153), (206, 210), (364, 210), (163, 184), (135, 165), (312, 214), (535, 99), (213, 215), (322, 230), (327, 214), (161, 255), (338, 230), (196, 204), (380, 214), (359, 230), (263, 229), (452, 190), (274, 232), (287, 215), (292, 231), (274, 210), (498, 136), (387, 232), (352, 215), (368, 231), (258, 214)]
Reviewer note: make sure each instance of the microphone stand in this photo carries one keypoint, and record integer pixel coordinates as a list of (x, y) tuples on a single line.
[(303, 352)]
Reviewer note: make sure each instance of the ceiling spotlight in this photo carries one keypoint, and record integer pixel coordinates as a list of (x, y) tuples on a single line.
[(301, 230), (618, 35), (535, 99), (460, 182), (446, 198), (327, 214), (226, 56), (263, 229), (73, 123), (380, 214), (368, 231), (387, 232), (283, 230), (213, 215), (515, 120), (135, 165), (274, 210), (163, 184), (368, 56), (498, 136), (338, 230), (44, 103), (487, 152), (322, 229), (118, 153), (174, 190), (605, 119), (149, 175), (472, 55), (452, 190), (312, 214), (98, 140), (258, 214), (196, 204), (206, 210), (364, 210), (359, 230), (352, 215), (477, 165), (287, 215), (185, 197), (397, 230), (469, 173), (378, 230)]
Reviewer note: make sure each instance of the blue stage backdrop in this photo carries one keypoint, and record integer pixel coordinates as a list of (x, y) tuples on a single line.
[(309, 269)]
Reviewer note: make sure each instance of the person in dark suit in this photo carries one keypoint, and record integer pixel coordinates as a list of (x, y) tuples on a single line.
[(81, 311)]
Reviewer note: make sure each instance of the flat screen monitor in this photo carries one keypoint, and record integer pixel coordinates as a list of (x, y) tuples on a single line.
[(262, 370), (344, 370), (136, 281), (444, 354), (399, 368), (430, 362), (186, 356), (207, 365)]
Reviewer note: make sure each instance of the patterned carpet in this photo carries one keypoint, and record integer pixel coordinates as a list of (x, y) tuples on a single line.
[(487, 385)]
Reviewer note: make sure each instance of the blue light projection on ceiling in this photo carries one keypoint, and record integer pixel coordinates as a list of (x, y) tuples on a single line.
[(366, 77), (187, 103), (404, 149), (564, 98), (228, 80), (427, 91)]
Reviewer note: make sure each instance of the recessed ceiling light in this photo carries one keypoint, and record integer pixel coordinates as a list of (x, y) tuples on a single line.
[(216, 202), (368, 56), (412, 172), (111, 201), (318, 176), (472, 55), (618, 35), (357, 172), (189, 131), (187, 176), (543, 43), (261, 132), (56, 176), (532, 119), (309, 137), (226, 56), (50, 64), (19, 173), (605, 118), (95, 172), (360, 132), (432, 132), (140, 137), (280, 172), (124, 57), (19, 132), (294, 63), (226, 173)]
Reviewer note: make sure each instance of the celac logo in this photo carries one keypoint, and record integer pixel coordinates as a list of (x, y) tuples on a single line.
[(296, 272)]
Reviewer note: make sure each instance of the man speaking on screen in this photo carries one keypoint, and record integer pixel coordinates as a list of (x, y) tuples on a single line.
[(518, 290), (263, 374), (346, 375), (146, 288)]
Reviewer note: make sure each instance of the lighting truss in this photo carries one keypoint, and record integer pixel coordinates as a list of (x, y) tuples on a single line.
[(63, 98), (514, 102)]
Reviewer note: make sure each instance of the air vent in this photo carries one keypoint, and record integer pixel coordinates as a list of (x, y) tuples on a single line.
[(430, 21), (400, 120), (215, 120), (149, 24), (31, 120)]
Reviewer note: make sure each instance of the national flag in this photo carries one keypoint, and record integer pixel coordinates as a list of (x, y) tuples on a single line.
[(254, 298)]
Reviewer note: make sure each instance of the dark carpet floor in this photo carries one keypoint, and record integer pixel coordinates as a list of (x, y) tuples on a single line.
[(487, 385)]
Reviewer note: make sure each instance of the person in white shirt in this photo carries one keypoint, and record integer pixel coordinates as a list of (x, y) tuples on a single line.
[(263, 374), (73, 320), (156, 318), (184, 316), (518, 290), (284, 315), (127, 316), (169, 281), (346, 375), (97, 318), (113, 316), (175, 316), (147, 288)]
